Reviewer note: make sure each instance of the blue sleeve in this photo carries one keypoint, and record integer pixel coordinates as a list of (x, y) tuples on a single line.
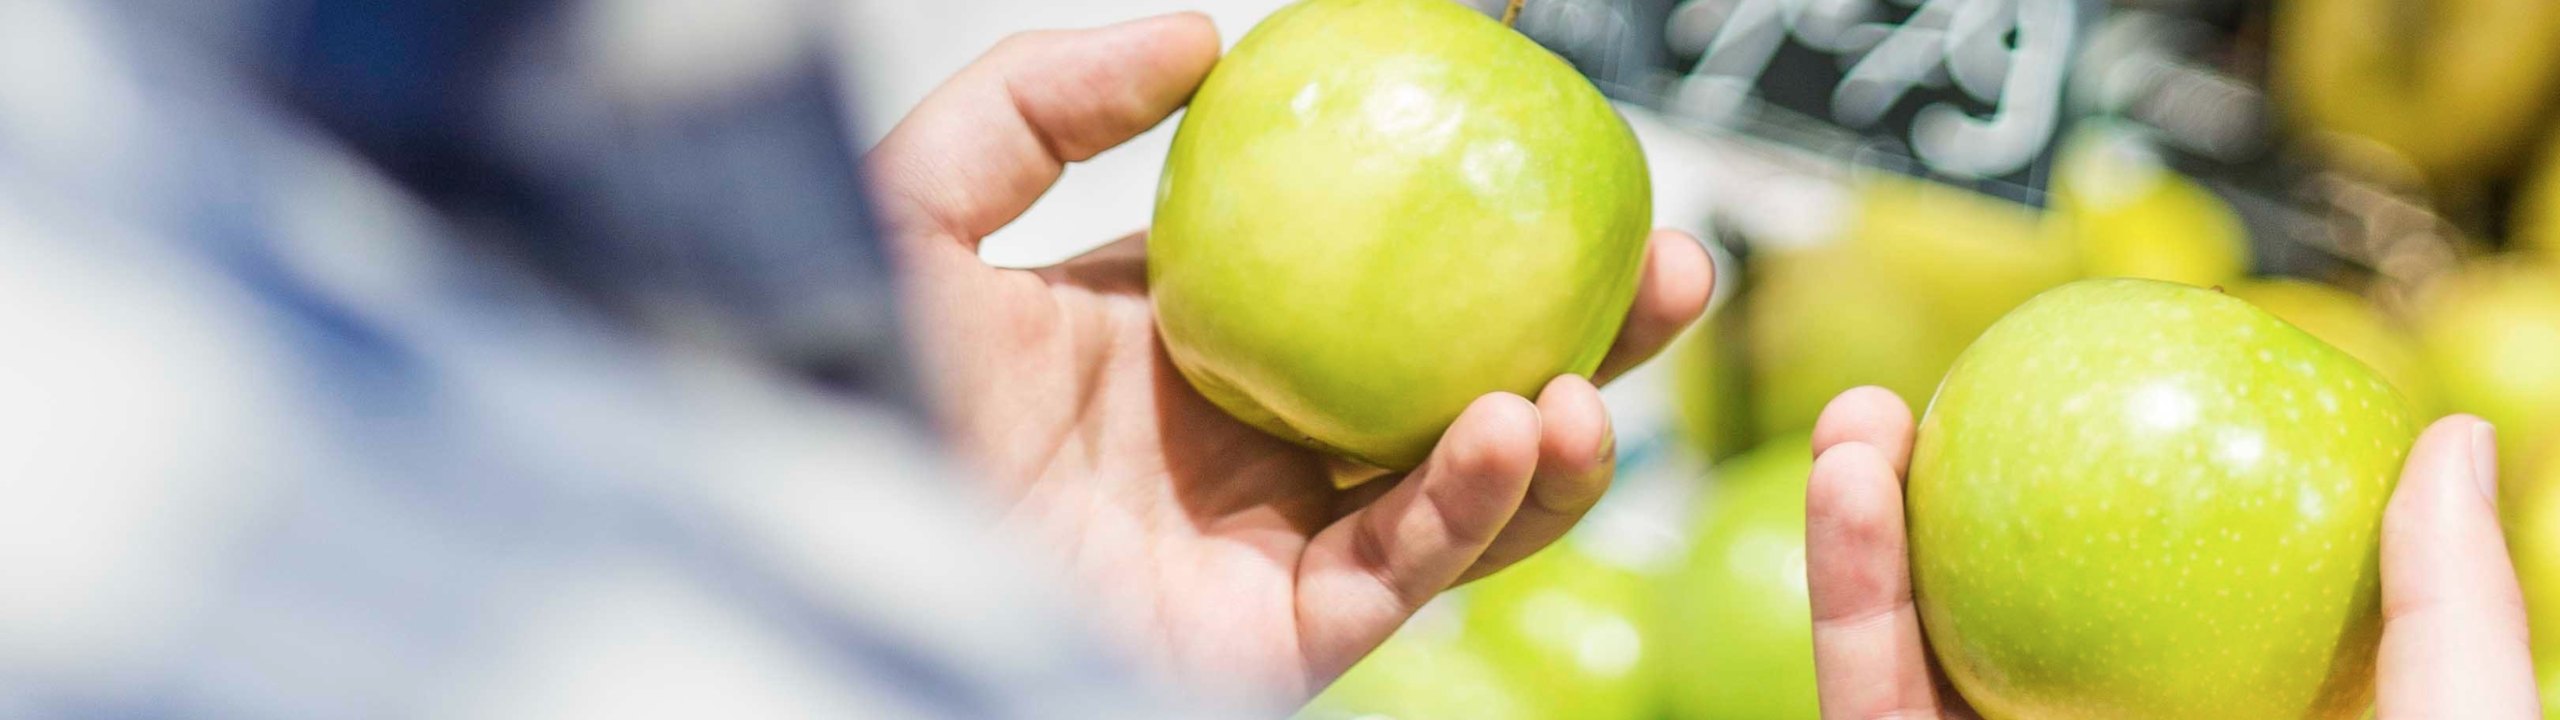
[(473, 359)]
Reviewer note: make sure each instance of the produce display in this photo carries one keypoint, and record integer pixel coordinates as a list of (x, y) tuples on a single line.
[(2169, 316)]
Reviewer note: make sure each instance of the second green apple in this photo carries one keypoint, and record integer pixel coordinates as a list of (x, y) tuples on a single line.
[(2137, 499)]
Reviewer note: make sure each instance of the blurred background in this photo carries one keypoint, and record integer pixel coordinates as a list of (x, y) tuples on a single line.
[(1880, 180)]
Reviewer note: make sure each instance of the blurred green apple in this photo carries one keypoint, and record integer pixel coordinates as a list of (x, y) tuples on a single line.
[(2458, 87), (1569, 629), (1376, 211), (2533, 540), (2129, 215), (1707, 381), (1737, 630), (2138, 499), (1423, 672), (2492, 334), (2347, 322), (1823, 320), (1921, 269), (2535, 222), (1967, 258)]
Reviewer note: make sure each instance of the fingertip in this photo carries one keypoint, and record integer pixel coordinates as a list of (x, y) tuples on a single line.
[(1497, 435), (1573, 424), (1869, 415), (1576, 448), (1672, 290), (1683, 275), (1852, 486), (2448, 457)]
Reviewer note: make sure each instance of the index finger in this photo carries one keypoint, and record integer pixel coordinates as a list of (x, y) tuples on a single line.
[(1869, 659)]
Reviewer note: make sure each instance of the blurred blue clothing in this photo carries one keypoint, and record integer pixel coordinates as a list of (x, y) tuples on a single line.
[(485, 358)]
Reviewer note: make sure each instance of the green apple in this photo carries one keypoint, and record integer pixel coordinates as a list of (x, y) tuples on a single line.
[(1376, 211), (1423, 672), (2458, 87), (2535, 223), (1707, 387), (1920, 270), (2533, 538), (1570, 630), (2129, 215), (2139, 499), (2348, 323), (1737, 632), (2492, 334), (1967, 258), (1823, 320)]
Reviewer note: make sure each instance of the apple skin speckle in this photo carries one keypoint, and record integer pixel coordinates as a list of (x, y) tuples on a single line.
[(2125, 502)]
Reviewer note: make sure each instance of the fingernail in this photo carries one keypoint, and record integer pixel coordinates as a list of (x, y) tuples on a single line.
[(2484, 460), (1608, 448)]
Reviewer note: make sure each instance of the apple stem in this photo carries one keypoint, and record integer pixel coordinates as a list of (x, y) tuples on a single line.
[(1511, 13)]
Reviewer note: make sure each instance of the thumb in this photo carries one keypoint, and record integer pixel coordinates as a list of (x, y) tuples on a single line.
[(2453, 632), (987, 143)]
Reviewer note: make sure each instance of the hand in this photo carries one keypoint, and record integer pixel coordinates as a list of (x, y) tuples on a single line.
[(2453, 633), (1227, 553)]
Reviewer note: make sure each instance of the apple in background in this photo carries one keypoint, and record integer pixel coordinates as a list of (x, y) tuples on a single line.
[(2458, 87), (1571, 631), (1968, 258), (1737, 637), (1920, 270), (2492, 334), (1376, 211), (1707, 380), (2141, 499), (2129, 215), (2536, 221), (1423, 672), (2533, 539), (1820, 321), (2347, 322)]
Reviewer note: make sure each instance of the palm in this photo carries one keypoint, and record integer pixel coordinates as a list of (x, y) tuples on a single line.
[(1228, 554), (1111, 453)]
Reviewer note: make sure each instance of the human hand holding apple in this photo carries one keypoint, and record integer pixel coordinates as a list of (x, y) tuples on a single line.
[(1224, 553), (2131, 629)]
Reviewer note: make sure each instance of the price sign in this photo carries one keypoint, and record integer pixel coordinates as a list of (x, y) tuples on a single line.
[(1967, 90)]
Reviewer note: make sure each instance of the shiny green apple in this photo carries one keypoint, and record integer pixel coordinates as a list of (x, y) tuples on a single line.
[(1376, 211), (1737, 630), (1570, 630), (2492, 334), (2347, 322), (2138, 499), (2130, 215)]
